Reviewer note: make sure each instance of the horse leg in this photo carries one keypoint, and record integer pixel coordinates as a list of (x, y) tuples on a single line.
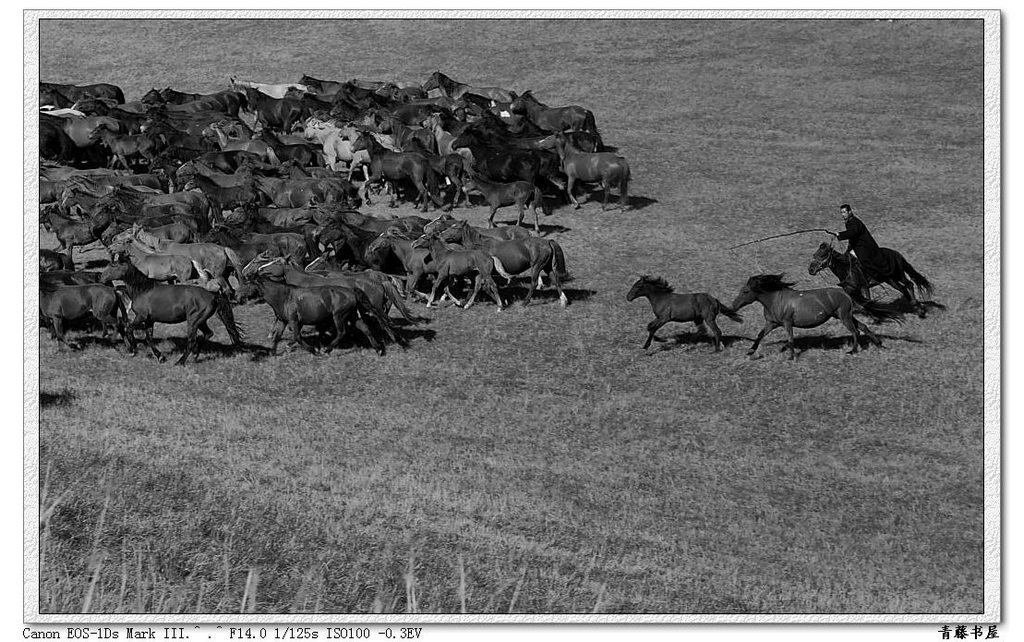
[(152, 345), (768, 327), (340, 316), (607, 187), (477, 284), (522, 212), (190, 343), (846, 317), (492, 289), (790, 343), (713, 324), (275, 334), (535, 280), (872, 337), (438, 282), (490, 218), (570, 183), (365, 329), (652, 327), (58, 332)]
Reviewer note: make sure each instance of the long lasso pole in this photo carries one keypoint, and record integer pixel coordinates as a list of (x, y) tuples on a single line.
[(776, 236)]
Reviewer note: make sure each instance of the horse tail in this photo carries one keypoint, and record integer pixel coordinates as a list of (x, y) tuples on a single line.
[(924, 286), (433, 187), (880, 312), (236, 263), (538, 199), (590, 125), (499, 267), (395, 298), (624, 184), (272, 157), (367, 309), (227, 317), (727, 311), (558, 262)]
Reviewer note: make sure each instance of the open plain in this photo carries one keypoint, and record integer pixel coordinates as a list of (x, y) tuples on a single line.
[(537, 460)]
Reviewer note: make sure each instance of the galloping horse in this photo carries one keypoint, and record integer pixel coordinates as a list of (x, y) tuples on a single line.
[(60, 303), (71, 233), (393, 166), (555, 119), (155, 265), (699, 307), (519, 193), (322, 306), (789, 308), (153, 302), (857, 283), (455, 263), (455, 90), (602, 167), (514, 257)]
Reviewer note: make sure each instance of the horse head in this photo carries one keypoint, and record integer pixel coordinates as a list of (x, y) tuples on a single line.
[(821, 259)]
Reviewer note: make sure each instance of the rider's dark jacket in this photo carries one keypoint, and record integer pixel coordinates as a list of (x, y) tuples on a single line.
[(864, 246)]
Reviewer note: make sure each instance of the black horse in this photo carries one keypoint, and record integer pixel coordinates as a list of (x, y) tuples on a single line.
[(855, 280), (154, 302)]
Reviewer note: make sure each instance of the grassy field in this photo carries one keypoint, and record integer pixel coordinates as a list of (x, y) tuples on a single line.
[(536, 459)]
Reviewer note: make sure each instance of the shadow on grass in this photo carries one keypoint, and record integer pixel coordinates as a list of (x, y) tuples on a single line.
[(831, 344), (595, 195), (697, 338), (516, 292), (64, 397)]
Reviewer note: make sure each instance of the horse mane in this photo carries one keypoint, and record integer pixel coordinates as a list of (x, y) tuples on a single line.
[(763, 283), (657, 283), (122, 198)]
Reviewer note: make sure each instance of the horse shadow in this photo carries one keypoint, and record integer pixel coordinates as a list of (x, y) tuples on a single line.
[(96, 263), (833, 344), (595, 194), (695, 338), (517, 292), (63, 397)]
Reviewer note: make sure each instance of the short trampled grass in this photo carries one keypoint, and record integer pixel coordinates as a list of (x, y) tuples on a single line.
[(537, 460)]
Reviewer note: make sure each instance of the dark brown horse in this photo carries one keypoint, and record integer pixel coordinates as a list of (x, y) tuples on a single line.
[(667, 305), (325, 307), (393, 166), (512, 257), (605, 168), (460, 263), (519, 193), (789, 308), (153, 302), (857, 283), (555, 119), (61, 303)]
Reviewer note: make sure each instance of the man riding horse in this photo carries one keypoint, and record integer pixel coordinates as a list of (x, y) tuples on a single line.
[(874, 263)]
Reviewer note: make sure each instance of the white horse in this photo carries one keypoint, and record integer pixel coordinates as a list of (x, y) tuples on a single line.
[(273, 90)]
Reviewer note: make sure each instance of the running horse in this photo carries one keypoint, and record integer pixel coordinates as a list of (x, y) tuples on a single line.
[(700, 308), (61, 303), (153, 302), (455, 90), (392, 166), (789, 308), (605, 168), (516, 256), (857, 283)]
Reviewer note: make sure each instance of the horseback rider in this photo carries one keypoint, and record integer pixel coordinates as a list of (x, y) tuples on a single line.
[(862, 245)]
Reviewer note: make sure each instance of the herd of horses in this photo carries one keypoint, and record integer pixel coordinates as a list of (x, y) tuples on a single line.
[(208, 200)]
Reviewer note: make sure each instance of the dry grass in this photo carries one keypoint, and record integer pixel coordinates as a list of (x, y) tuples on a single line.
[(537, 460)]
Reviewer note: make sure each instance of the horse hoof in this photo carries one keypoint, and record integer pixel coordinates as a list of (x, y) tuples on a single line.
[(162, 359), (755, 357)]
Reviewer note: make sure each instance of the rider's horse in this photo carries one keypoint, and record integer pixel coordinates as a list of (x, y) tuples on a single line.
[(789, 308), (855, 280)]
